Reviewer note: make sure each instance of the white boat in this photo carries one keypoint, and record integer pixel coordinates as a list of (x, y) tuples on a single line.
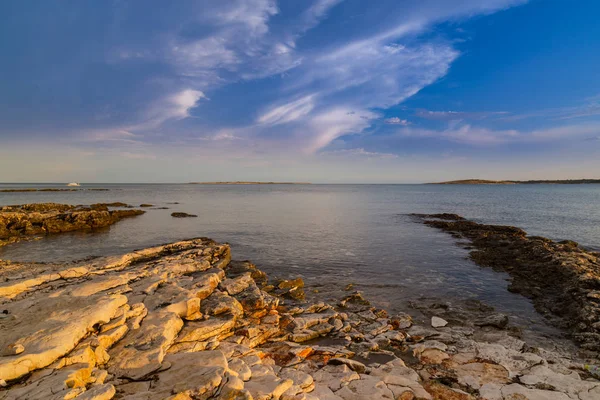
[(73, 184)]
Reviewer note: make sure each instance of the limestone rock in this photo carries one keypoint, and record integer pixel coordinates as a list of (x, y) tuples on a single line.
[(142, 352), (67, 322), (438, 322)]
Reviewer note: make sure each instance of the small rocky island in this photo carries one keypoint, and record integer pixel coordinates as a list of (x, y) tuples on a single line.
[(530, 182), (29, 221), (184, 321), (249, 183)]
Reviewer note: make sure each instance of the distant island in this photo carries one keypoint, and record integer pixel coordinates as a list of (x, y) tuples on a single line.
[(249, 183), (532, 182)]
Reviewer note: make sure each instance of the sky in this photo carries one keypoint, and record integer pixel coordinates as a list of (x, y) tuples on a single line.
[(325, 91)]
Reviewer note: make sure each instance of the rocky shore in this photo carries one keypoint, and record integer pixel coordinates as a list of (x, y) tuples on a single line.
[(184, 321), (561, 278), (31, 220)]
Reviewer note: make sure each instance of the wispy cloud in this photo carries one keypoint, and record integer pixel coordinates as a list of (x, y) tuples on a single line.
[(358, 152), (479, 136), (456, 115), (137, 156), (396, 121), (288, 112)]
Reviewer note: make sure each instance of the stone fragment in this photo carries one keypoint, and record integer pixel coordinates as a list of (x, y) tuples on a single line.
[(438, 322), (267, 387), (439, 391), (301, 379), (352, 364), (368, 387), (236, 285), (499, 321), (518, 392), (197, 331), (100, 392), (476, 375), (241, 368), (221, 303)]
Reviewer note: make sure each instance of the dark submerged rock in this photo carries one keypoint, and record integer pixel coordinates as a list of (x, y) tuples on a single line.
[(183, 215)]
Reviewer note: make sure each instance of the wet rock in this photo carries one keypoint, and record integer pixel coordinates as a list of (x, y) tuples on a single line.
[(352, 364), (183, 215), (19, 222), (499, 321)]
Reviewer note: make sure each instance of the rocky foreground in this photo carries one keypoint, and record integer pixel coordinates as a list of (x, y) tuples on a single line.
[(31, 220), (561, 278), (182, 321)]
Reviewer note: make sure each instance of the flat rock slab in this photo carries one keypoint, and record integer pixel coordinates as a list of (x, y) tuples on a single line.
[(49, 328)]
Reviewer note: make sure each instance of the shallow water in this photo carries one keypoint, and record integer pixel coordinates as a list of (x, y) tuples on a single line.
[(335, 233)]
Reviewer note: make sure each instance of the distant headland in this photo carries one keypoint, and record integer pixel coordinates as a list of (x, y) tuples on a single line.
[(249, 183), (532, 182)]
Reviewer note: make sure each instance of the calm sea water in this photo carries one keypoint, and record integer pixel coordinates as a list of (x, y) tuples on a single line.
[(333, 235)]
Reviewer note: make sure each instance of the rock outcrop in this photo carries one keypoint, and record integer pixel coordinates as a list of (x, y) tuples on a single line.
[(184, 321), (23, 221), (561, 278)]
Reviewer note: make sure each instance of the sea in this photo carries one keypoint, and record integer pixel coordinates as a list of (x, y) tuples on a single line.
[(334, 235)]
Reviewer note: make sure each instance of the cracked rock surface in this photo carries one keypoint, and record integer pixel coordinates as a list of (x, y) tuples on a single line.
[(184, 321)]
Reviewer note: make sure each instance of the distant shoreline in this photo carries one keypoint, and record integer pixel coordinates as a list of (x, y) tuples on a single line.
[(249, 183), (531, 182)]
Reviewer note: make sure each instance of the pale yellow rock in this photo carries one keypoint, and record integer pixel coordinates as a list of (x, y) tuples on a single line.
[(196, 375), (100, 392), (82, 354), (119, 319), (142, 351), (109, 338), (61, 384), (76, 272), (12, 289), (196, 331), (137, 313), (368, 387), (66, 323), (475, 375), (99, 285), (236, 285), (221, 303), (241, 368), (267, 387), (518, 392)]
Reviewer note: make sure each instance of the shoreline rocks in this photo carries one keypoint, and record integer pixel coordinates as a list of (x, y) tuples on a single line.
[(561, 278), (30, 220), (185, 321)]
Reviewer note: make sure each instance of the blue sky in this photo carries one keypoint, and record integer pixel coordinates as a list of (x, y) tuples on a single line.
[(315, 90)]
